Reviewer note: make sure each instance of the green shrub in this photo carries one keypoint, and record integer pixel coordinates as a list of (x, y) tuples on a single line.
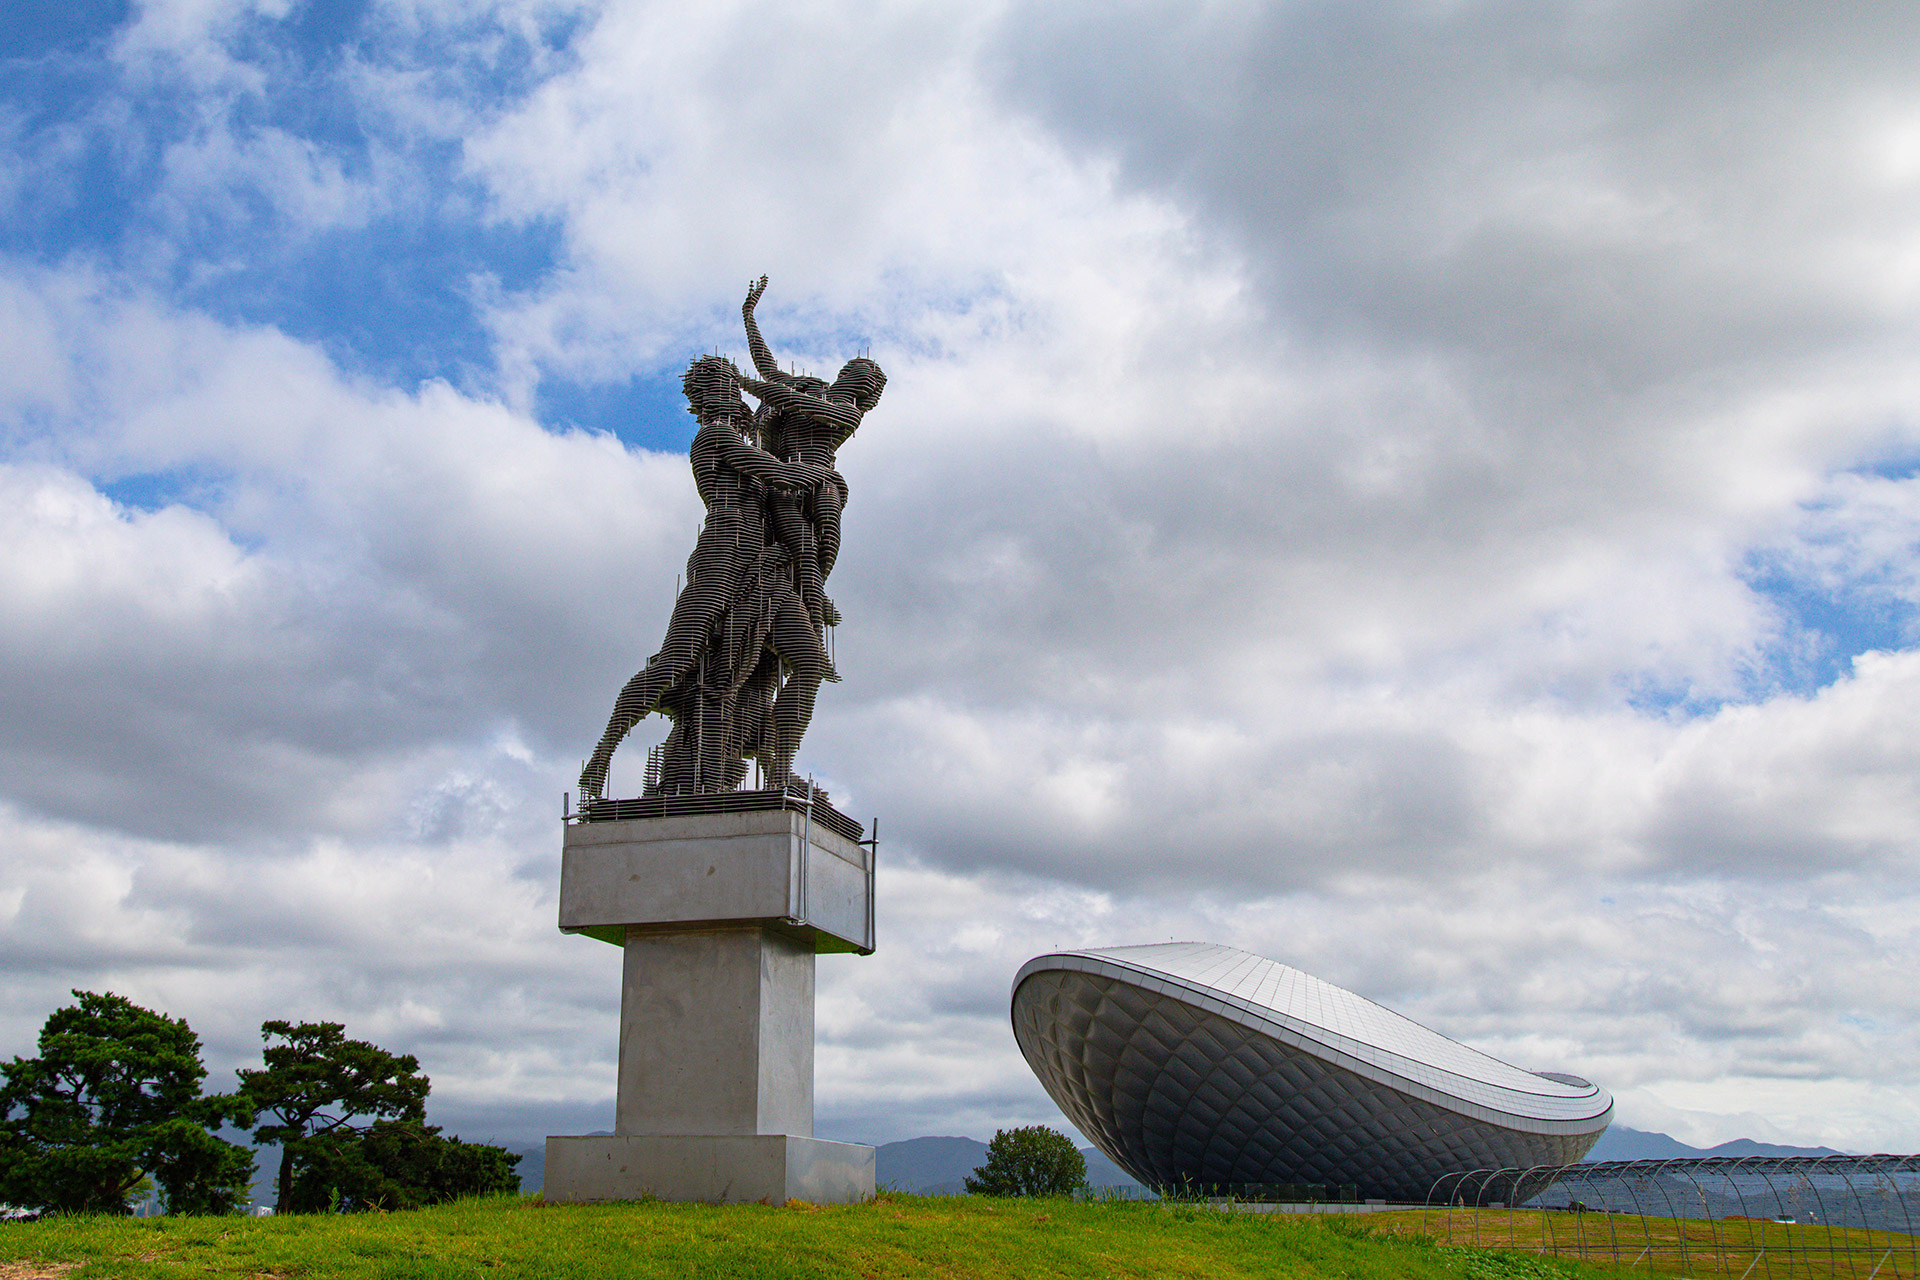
[(1035, 1161), (396, 1164)]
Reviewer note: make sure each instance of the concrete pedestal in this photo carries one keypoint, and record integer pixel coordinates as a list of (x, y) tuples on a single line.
[(716, 1033), (720, 917), (720, 1169)]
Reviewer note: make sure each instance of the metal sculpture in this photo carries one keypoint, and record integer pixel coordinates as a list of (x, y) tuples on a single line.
[(745, 651)]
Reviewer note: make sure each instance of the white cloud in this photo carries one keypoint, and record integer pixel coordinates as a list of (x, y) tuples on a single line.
[(1315, 519), (366, 577)]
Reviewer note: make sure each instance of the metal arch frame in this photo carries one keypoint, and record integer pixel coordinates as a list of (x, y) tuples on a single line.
[(1854, 1191), (1658, 1177), (1719, 1241), (1833, 1187), (1734, 1172), (1765, 1174)]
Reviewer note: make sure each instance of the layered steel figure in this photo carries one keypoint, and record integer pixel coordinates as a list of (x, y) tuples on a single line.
[(745, 652), (1204, 1068)]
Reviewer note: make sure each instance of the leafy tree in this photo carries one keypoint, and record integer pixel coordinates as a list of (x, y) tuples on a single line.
[(397, 1164), (1035, 1161), (317, 1082), (113, 1100)]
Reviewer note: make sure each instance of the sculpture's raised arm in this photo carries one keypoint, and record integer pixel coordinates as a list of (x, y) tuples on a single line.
[(763, 359)]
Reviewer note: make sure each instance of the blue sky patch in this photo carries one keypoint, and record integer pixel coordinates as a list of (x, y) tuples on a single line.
[(37, 28), (649, 412), (1834, 625), (1822, 629), (151, 490), (395, 300), (389, 289)]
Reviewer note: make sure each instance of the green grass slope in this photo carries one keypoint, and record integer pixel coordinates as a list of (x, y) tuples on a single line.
[(894, 1236)]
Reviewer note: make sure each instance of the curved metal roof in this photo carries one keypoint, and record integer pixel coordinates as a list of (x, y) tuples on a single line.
[(1334, 1023)]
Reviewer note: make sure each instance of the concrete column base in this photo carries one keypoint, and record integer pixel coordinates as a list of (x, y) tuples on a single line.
[(730, 1168)]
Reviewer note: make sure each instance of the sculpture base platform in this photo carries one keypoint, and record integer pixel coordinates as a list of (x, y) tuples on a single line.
[(720, 916), (743, 1168), (785, 868)]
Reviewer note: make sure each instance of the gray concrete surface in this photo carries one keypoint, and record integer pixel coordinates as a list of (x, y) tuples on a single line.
[(717, 1169), (662, 873), (721, 916), (716, 1033)]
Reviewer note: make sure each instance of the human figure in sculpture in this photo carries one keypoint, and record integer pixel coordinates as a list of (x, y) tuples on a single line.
[(732, 571), (806, 420)]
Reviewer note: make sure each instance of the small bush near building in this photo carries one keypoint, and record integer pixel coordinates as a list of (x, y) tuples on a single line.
[(1034, 1161), (396, 1164)]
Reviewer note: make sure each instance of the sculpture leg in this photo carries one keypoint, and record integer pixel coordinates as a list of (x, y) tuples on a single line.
[(796, 534), (798, 645), (676, 763), (827, 506), (752, 727), (693, 616), (637, 699), (698, 757)]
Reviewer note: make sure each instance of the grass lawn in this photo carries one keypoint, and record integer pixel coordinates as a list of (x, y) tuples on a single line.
[(1703, 1247), (894, 1236)]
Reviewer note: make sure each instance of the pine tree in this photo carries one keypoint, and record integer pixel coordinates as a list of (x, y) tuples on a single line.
[(112, 1101), (317, 1082)]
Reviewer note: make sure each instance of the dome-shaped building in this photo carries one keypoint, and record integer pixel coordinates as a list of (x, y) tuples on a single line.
[(1199, 1066)]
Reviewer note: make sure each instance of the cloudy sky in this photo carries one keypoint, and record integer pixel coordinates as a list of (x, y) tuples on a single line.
[(1427, 492)]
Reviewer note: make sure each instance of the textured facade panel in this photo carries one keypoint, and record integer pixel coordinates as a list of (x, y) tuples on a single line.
[(1269, 1080)]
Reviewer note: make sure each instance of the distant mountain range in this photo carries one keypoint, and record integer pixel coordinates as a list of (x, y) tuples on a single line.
[(940, 1166), (1622, 1143)]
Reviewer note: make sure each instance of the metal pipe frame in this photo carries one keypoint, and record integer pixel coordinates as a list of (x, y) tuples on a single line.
[(1863, 1207)]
